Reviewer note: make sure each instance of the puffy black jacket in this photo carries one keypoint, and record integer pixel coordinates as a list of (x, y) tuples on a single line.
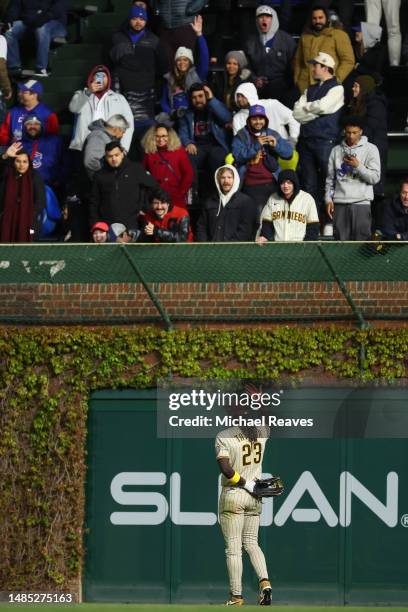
[(35, 13), (138, 65), (118, 193), (232, 223)]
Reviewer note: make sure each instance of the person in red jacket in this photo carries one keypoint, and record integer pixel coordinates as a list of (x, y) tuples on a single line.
[(167, 161), (164, 222)]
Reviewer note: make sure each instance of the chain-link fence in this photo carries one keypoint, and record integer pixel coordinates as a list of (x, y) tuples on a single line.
[(366, 275)]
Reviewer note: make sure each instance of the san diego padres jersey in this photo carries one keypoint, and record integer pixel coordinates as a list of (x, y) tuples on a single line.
[(245, 456), (290, 220)]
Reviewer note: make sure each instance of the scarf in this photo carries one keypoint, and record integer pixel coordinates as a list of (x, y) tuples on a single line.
[(18, 207)]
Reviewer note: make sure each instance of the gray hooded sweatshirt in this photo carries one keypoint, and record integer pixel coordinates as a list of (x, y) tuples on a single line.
[(348, 185), (94, 148)]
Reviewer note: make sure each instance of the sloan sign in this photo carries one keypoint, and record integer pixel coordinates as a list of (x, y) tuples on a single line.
[(350, 488)]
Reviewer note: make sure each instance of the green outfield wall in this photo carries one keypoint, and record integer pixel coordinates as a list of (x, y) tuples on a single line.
[(339, 535)]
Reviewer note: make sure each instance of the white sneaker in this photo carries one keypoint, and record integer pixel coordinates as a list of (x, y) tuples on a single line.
[(42, 73)]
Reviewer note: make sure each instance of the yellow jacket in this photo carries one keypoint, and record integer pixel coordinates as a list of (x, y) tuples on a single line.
[(330, 40)]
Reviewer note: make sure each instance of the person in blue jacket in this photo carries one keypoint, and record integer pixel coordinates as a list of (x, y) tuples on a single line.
[(256, 149), (46, 152), (185, 73), (203, 133)]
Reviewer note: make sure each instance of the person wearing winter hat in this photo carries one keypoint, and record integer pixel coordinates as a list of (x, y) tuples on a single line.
[(290, 214), (139, 60), (29, 93), (270, 54), (164, 222), (98, 101), (256, 149), (228, 216), (99, 232), (354, 168), (184, 74), (225, 83)]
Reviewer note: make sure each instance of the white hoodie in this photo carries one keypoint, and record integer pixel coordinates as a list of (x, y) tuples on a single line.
[(225, 197), (278, 114)]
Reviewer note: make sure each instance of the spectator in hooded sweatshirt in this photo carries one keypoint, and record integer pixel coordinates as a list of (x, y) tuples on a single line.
[(46, 151), (167, 161), (290, 214), (280, 117), (271, 53), (98, 101), (29, 93), (320, 36), (395, 221), (228, 216), (102, 132), (164, 222), (256, 149), (184, 74), (354, 168), (139, 60)]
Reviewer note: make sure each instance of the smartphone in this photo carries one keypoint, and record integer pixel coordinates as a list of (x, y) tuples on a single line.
[(99, 78)]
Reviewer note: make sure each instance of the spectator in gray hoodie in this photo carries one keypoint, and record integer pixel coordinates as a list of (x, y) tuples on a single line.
[(354, 168), (102, 132)]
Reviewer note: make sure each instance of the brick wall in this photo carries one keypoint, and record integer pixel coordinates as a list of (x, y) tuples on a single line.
[(212, 302)]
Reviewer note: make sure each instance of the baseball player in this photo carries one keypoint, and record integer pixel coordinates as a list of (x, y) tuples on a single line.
[(239, 453)]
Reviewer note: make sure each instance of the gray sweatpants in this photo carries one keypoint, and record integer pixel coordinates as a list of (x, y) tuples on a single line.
[(352, 221)]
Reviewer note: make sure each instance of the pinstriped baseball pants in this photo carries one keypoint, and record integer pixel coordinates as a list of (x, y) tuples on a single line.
[(239, 515)]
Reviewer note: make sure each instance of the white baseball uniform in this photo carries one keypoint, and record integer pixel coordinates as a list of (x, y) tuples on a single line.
[(290, 220), (239, 511)]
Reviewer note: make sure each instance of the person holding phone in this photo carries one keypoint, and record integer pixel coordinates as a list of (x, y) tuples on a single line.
[(98, 101), (353, 170)]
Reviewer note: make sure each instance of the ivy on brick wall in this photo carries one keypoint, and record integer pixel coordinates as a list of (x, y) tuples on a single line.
[(47, 375)]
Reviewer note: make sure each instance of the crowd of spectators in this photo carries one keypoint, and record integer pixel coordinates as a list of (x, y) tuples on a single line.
[(286, 139)]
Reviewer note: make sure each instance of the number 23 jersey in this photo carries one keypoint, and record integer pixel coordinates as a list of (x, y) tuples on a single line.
[(245, 456)]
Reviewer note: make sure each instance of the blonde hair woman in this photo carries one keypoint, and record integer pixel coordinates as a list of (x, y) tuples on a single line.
[(167, 161)]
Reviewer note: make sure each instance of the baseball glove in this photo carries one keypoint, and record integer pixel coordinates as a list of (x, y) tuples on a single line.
[(268, 487)]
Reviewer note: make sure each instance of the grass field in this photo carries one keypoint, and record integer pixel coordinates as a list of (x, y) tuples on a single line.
[(95, 607)]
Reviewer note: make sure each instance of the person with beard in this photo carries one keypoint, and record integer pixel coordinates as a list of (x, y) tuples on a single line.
[(290, 214), (319, 36), (203, 133), (280, 117), (229, 216), (318, 111), (354, 168), (46, 152), (98, 101), (271, 53), (22, 197), (256, 149), (395, 221), (164, 222), (139, 60)]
